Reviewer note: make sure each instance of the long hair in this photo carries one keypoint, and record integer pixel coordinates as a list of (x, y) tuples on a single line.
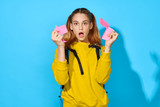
[(93, 36)]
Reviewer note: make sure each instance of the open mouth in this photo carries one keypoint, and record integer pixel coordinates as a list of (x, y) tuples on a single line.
[(81, 34)]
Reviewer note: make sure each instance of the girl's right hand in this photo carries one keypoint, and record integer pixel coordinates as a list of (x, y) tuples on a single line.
[(57, 39)]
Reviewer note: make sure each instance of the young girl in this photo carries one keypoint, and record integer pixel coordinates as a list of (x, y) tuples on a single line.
[(84, 76)]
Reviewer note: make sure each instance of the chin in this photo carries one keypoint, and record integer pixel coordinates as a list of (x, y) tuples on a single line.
[(81, 39)]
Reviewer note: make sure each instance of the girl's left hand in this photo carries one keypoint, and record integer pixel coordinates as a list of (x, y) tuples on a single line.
[(113, 36)]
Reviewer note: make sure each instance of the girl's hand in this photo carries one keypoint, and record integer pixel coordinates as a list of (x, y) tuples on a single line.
[(57, 39), (113, 36)]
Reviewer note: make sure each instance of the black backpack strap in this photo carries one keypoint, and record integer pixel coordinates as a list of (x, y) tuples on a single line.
[(60, 96), (97, 50), (66, 55), (79, 62), (104, 88)]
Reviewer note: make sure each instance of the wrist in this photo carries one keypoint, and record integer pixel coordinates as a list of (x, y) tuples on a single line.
[(61, 47), (107, 49)]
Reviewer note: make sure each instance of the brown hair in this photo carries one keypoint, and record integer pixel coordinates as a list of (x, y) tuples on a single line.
[(93, 36)]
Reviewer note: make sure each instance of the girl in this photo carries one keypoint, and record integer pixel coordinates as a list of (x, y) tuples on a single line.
[(84, 76)]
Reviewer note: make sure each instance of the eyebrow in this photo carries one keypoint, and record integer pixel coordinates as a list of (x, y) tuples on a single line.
[(83, 20)]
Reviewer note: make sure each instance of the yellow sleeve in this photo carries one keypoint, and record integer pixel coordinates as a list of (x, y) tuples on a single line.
[(103, 69), (60, 70)]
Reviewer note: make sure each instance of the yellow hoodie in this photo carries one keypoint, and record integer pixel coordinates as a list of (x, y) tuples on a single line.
[(83, 90)]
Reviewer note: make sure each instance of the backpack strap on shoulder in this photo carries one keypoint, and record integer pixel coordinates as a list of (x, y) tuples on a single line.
[(66, 55), (97, 50), (79, 62)]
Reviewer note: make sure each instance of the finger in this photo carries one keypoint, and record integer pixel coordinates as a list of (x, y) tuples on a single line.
[(112, 33), (55, 36), (59, 36), (117, 33), (116, 36), (109, 35), (54, 31)]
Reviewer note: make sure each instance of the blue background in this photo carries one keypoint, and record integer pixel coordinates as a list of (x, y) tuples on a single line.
[(27, 51)]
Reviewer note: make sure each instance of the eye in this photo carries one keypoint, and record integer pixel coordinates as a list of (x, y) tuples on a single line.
[(85, 23), (75, 23)]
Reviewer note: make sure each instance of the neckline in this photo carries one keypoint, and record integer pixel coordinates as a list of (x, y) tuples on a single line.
[(82, 42), (76, 44)]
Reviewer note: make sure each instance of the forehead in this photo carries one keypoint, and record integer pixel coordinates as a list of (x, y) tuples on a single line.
[(80, 17)]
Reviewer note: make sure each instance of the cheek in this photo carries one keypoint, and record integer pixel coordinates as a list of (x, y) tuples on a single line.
[(75, 30), (87, 30)]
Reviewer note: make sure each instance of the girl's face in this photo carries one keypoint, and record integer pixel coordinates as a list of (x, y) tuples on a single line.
[(81, 26)]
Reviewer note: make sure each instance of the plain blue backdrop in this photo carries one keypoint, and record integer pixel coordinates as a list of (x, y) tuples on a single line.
[(27, 51)]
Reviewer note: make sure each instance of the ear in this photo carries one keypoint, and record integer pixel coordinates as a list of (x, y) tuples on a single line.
[(71, 27), (91, 25)]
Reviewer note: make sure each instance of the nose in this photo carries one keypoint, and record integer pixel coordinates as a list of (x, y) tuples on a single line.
[(80, 27)]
